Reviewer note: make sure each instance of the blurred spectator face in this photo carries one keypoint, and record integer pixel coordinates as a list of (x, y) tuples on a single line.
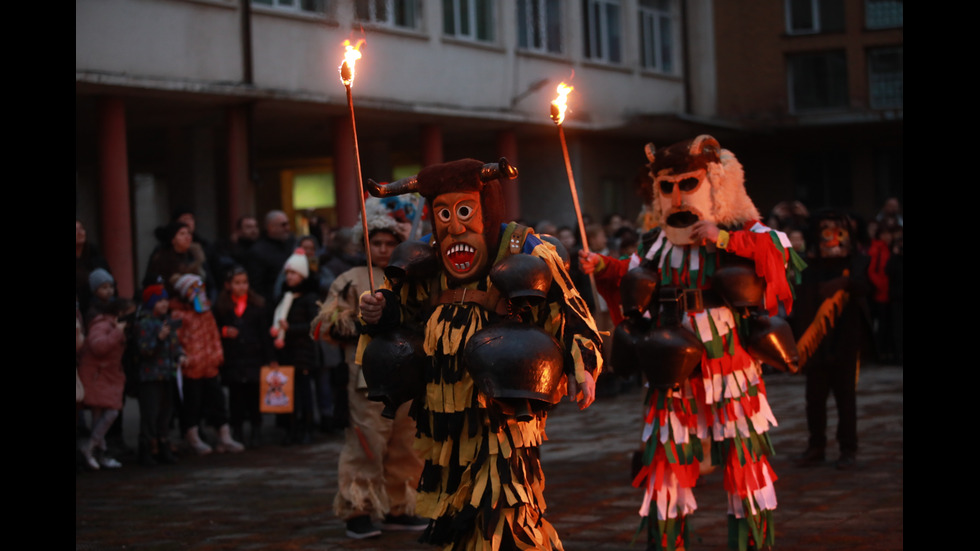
[(239, 285), (597, 238), (798, 241), (891, 207), (567, 238), (249, 228), (382, 245), (161, 307), (277, 227), (79, 233), (615, 222), (187, 218), (182, 241), (309, 247), (293, 278), (105, 291)]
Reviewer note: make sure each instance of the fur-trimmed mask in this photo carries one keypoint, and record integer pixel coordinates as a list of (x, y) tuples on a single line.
[(697, 180)]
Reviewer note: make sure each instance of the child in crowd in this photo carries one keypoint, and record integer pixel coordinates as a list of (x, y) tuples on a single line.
[(103, 288), (291, 330), (242, 318), (160, 357), (202, 395), (101, 373)]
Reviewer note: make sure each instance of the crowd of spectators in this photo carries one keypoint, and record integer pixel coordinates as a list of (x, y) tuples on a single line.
[(247, 299), (245, 277)]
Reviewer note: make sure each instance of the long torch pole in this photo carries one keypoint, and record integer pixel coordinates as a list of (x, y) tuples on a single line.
[(557, 118), (347, 77)]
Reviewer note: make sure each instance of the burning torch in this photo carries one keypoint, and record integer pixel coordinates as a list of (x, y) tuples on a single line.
[(558, 106), (351, 55)]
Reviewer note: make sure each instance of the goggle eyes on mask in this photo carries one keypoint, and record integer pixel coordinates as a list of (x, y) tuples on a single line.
[(685, 185)]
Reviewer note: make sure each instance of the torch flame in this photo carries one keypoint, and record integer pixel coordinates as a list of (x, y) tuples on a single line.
[(558, 105), (351, 55)]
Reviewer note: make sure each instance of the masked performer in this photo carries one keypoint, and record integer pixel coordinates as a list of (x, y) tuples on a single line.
[(833, 319), (482, 481), (711, 267)]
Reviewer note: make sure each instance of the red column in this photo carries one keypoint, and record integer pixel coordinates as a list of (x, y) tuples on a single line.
[(238, 178), (431, 145), (507, 147), (345, 173), (114, 203)]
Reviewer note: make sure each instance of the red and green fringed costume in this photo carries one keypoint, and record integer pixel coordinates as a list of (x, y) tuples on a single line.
[(724, 402)]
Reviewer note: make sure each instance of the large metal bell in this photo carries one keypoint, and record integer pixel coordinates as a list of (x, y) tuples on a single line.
[(393, 367), (626, 340), (737, 282), (522, 276), (637, 290), (670, 355), (771, 342), (517, 365), (412, 260)]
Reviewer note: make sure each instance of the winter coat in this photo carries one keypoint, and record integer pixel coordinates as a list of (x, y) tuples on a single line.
[(199, 337), (100, 368), (300, 350), (158, 358), (246, 353)]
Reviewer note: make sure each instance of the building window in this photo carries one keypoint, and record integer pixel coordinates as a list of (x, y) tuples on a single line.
[(814, 16), (884, 14), (468, 19), (539, 25), (315, 6), (886, 77), (602, 30), (818, 81), (657, 36), (402, 14)]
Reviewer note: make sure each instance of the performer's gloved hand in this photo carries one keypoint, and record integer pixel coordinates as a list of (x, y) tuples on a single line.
[(705, 230), (589, 262), (371, 307), (584, 392)]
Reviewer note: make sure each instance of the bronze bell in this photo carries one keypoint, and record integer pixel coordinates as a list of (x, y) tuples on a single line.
[(737, 283), (637, 290), (413, 260), (394, 364), (771, 342), (517, 365), (626, 338), (522, 276), (669, 353)]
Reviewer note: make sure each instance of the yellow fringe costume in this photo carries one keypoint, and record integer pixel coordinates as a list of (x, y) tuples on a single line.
[(482, 483)]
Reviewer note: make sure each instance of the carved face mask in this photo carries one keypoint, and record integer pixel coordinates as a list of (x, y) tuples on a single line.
[(835, 240), (459, 231), (684, 199)]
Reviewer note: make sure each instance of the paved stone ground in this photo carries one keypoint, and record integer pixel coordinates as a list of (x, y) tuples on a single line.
[(278, 497)]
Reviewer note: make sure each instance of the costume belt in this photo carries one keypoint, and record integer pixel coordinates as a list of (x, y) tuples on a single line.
[(693, 300), (489, 300)]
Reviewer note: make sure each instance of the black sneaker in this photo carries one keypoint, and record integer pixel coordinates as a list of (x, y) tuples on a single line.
[(361, 528), (404, 523)]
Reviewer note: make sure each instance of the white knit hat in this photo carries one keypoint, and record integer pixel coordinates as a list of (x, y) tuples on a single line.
[(298, 263), (185, 283)]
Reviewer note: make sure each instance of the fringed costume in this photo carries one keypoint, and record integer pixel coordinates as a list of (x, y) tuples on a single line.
[(482, 483), (706, 223), (725, 402)]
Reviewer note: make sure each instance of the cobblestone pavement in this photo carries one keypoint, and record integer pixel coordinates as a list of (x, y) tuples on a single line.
[(278, 497)]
